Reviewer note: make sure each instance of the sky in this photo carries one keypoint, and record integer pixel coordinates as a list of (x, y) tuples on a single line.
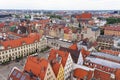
[(61, 4)]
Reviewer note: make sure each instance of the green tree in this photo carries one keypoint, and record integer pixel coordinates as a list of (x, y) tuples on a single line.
[(113, 20)]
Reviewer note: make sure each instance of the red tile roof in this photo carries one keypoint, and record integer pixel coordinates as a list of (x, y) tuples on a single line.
[(74, 47), (18, 42), (62, 54), (117, 74), (38, 66), (111, 52), (85, 52), (98, 74), (84, 16), (66, 30), (56, 67), (80, 73), (113, 28), (2, 25)]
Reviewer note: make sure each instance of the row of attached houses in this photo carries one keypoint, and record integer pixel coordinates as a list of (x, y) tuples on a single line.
[(60, 31), (112, 30), (57, 67), (12, 49), (96, 65), (56, 43), (108, 42), (73, 63)]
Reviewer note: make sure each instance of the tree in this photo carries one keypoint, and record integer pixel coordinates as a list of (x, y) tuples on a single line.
[(55, 16), (113, 20), (102, 32)]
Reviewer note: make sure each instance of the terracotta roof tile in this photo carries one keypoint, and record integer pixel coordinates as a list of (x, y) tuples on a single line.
[(85, 52), (111, 52), (56, 67), (114, 28), (66, 30), (74, 53), (84, 16), (73, 47), (2, 25), (81, 73), (62, 54), (18, 42), (117, 74), (38, 66), (98, 74)]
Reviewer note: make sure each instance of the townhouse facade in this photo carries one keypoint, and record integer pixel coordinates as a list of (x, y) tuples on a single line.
[(91, 33), (39, 67), (112, 30), (58, 70), (56, 43), (108, 42), (65, 59), (10, 50)]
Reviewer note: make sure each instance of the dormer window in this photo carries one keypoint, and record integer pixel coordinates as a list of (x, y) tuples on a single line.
[(23, 43), (9, 47)]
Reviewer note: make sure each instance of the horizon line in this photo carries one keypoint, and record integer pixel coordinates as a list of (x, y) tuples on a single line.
[(65, 9)]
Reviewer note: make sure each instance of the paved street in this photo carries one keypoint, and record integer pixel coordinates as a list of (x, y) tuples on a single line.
[(5, 69)]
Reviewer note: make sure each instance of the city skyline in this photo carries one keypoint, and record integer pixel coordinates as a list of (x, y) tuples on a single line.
[(61, 4)]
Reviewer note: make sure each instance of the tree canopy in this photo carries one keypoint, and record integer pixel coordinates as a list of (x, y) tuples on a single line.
[(113, 20), (55, 16)]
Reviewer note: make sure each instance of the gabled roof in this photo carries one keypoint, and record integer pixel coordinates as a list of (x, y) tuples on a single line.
[(56, 68), (74, 53), (55, 53), (37, 66)]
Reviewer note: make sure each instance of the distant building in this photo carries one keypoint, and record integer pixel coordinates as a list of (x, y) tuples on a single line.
[(108, 42), (91, 33), (112, 30), (84, 16)]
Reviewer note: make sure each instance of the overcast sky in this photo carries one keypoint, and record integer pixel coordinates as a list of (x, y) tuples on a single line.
[(61, 4)]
